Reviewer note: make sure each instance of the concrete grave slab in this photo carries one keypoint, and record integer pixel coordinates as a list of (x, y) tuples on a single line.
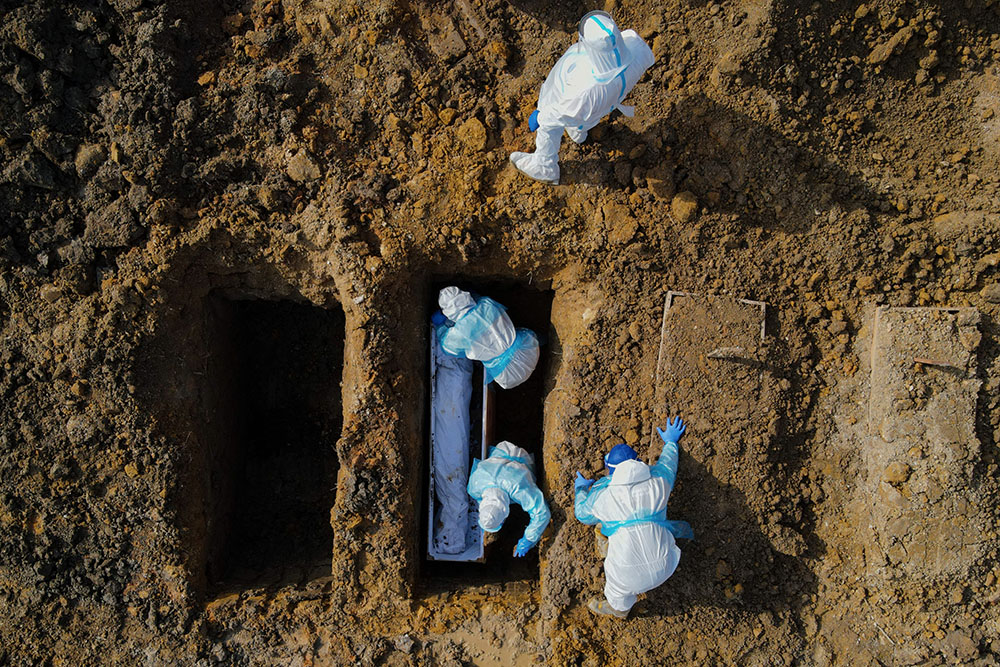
[(709, 371), (922, 444)]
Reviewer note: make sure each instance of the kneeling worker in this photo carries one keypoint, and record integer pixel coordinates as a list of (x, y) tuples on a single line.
[(509, 474), (631, 505)]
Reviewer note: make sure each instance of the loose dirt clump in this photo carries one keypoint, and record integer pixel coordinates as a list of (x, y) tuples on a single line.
[(223, 226)]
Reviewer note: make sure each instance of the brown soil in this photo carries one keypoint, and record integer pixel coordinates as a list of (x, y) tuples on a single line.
[(223, 223)]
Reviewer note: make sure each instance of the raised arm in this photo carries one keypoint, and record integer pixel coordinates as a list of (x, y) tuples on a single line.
[(666, 466)]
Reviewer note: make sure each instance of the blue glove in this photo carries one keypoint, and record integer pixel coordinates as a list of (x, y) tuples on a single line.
[(675, 429), (582, 483), (524, 545), (533, 120), (438, 318)]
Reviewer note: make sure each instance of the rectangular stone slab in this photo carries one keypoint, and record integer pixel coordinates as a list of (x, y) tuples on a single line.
[(709, 371), (922, 444)]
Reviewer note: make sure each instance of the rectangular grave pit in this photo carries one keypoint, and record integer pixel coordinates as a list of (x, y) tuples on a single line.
[(273, 373), (517, 416)]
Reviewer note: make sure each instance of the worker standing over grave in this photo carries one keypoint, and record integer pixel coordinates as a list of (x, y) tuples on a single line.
[(587, 83), (509, 474), (480, 329), (631, 506)]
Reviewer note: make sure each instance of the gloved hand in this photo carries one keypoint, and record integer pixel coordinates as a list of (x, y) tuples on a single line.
[(438, 318), (524, 545), (675, 429), (582, 482), (533, 120)]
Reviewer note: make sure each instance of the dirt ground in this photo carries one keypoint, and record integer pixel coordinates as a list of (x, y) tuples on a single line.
[(221, 226)]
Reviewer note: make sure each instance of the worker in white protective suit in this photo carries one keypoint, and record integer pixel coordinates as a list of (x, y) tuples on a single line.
[(480, 329), (587, 83), (509, 474), (631, 506)]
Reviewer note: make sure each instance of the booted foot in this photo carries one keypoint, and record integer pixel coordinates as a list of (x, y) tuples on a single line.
[(578, 136), (530, 165), (601, 607)]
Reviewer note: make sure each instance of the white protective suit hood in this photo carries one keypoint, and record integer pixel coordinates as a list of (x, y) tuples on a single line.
[(493, 509), (454, 302), (513, 451), (602, 41), (630, 472)]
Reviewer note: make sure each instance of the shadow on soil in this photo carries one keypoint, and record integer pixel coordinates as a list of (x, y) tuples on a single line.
[(730, 563), (744, 166)]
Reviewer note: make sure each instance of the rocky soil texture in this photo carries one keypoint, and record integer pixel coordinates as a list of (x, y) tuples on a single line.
[(222, 226)]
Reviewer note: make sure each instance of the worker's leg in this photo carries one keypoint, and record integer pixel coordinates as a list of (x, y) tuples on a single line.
[(601, 542), (547, 141), (619, 598), (543, 164)]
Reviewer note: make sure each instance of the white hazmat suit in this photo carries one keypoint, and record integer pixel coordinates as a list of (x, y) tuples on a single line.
[(508, 474), (481, 330), (631, 506), (587, 83)]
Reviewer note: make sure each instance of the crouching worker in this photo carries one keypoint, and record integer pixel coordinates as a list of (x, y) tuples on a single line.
[(509, 474), (631, 505), (480, 329)]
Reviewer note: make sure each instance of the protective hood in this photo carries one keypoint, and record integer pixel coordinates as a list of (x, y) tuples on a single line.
[(454, 302), (603, 43), (493, 509), (630, 472), (513, 452)]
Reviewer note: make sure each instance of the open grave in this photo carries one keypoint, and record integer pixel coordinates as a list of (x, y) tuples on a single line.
[(253, 396), (497, 414), (286, 394)]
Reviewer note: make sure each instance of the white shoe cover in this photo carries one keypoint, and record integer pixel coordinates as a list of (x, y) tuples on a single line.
[(534, 167), (576, 135)]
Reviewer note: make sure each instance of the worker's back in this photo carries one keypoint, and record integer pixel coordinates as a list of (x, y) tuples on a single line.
[(508, 467), (482, 332), (575, 92), (511, 469), (631, 509)]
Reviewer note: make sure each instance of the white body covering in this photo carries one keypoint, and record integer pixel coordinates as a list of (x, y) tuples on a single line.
[(451, 429), (483, 331), (641, 555), (575, 99)]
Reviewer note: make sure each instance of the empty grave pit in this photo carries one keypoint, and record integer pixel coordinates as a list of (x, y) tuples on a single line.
[(515, 415), (256, 403)]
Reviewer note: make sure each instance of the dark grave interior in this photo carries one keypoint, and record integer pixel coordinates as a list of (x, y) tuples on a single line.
[(276, 371)]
